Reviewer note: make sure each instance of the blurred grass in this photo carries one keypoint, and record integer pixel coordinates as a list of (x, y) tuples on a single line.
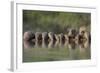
[(54, 21)]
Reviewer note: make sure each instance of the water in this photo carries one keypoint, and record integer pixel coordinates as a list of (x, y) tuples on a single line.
[(33, 52)]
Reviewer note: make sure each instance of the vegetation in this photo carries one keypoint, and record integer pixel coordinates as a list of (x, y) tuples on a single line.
[(57, 22)]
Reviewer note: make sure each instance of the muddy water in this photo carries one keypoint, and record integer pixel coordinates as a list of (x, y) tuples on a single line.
[(34, 52)]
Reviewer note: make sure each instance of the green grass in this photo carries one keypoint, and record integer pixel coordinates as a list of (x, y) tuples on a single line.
[(57, 22)]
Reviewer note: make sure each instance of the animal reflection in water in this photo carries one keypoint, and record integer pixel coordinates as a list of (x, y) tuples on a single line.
[(73, 39)]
